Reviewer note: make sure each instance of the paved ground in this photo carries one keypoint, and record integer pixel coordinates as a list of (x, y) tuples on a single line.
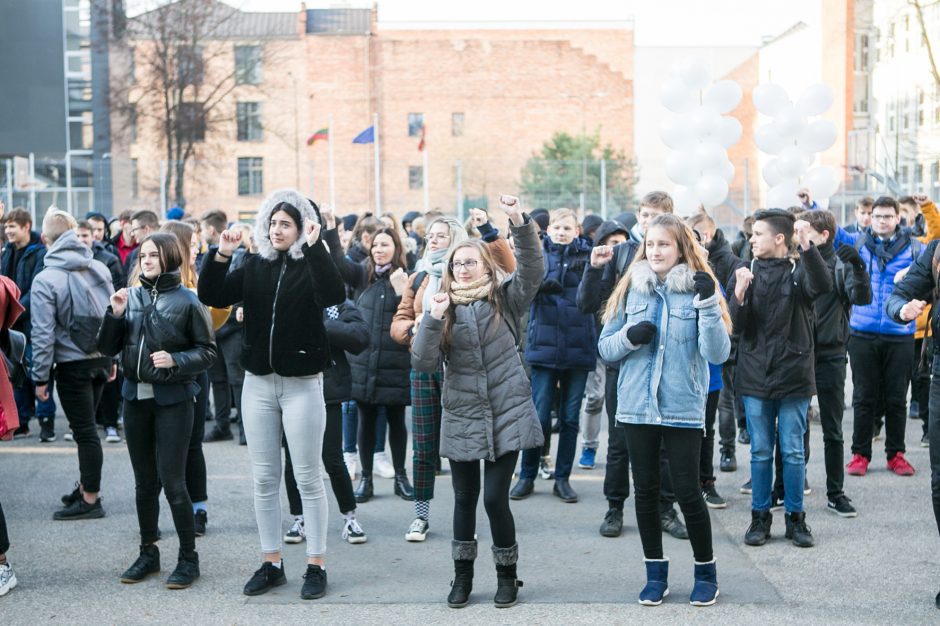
[(882, 566)]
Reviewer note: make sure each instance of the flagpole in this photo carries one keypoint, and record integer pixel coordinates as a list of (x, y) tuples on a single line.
[(424, 169), (378, 174), (329, 139)]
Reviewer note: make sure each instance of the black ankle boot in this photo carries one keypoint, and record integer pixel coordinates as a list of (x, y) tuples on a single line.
[(147, 563), (507, 585), (403, 488), (464, 553), (364, 491), (797, 530), (186, 572)]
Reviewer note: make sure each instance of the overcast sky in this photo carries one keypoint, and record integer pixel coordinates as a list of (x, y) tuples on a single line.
[(715, 23)]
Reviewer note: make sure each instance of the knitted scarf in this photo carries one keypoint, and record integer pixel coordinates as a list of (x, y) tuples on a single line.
[(467, 293), (433, 263)]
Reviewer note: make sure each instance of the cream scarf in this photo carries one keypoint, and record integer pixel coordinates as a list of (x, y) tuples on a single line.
[(467, 293)]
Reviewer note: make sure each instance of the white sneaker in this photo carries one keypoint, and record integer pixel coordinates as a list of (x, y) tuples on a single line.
[(546, 468), (111, 435), (68, 436), (353, 533), (418, 530), (296, 533), (352, 464), (7, 578), (381, 465)]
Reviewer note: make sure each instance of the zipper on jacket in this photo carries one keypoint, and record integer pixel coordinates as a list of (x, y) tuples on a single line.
[(277, 290), (140, 347)]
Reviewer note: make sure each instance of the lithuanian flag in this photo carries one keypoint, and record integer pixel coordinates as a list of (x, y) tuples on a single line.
[(323, 133)]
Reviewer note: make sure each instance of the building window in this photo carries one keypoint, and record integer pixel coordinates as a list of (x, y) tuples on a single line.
[(189, 65), (920, 117), (891, 124), (905, 121), (135, 183), (918, 174), (861, 54), (248, 115), (192, 121), (456, 124), (905, 172), (934, 176), (415, 124), (247, 65), (250, 181), (415, 177)]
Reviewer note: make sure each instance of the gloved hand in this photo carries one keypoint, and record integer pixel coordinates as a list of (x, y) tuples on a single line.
[(850, 256), (704, 285), (642, 333), (551, 287)]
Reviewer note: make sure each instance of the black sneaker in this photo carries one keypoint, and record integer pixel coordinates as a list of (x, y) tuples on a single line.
[(200, 519), (46, 433), (314, 583), (806, 488), (744, 437), (22, 432), (80, 510), (217, 434), (758, 532), (925, 441), (186, 572), (728, 463), (612, 525), (841, 506), (712, 499), (797, 530), (76, 495), (776, 502), (265, 579), (746, 487), (146, 564), (673, 525)]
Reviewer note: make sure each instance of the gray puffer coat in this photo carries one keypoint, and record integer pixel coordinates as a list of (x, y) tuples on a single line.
[(487, 399)]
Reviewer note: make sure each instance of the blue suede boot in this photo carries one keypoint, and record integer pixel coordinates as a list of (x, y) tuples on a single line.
[(657, 587), (705, 590)]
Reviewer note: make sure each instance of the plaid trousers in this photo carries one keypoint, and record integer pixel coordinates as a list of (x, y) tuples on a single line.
[(425, 430)]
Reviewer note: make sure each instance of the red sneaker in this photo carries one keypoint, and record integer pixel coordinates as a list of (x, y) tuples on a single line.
[(900, 466), (858, 466)]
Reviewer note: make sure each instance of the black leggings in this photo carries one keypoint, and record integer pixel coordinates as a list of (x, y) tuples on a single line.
[(196, 460), (332, 461), (683, 447), (158, 444), (4, 537), (397, 435), (497, 476), (706, 466)]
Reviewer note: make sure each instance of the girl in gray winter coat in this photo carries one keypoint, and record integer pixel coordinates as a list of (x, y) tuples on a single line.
[(488, 413)]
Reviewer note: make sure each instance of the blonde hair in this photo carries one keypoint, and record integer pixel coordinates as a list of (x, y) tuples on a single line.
[(560, 214), (690, 253), (658, 200), (496, 280), (56, 223), (184, 236)]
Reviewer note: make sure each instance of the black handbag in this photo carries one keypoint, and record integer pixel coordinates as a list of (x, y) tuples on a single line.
[(14, 355)]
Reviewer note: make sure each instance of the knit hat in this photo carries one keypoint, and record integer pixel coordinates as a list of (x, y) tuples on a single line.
[(590, 224), (410, 216), (541, 218), (628, 219), (349, 221), (175, 213)]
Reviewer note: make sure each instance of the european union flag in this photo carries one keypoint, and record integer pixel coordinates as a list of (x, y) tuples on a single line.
[(366, 136)]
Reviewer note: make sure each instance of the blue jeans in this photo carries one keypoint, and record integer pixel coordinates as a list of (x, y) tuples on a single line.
[(766, 418), (572, 383), (351, 427), (27, 404)]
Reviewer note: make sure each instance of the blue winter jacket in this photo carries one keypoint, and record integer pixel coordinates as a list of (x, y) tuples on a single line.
[(666, 381), (559, 336), (30, 264)]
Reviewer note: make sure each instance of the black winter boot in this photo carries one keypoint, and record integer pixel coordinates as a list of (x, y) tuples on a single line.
[(464, 553), (507, 585), (147, 563), (364, 491), (186, 572), (797, 530)]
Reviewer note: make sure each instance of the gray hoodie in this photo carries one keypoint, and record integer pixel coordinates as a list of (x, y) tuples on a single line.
[(51, 303)]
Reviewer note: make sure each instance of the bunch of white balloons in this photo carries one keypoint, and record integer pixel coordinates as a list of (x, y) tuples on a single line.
[(794, 140), (699, 134)]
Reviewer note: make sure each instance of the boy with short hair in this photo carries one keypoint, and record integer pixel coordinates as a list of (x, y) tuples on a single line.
[(654, 203)]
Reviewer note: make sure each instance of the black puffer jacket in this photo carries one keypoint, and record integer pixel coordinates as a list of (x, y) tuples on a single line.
[(347, 333), (722, 259), (850, 287), (160, 315), (381, 374)]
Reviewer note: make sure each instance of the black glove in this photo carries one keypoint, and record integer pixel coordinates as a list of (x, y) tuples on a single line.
[(551, 287), (642, 333), (850, 256), (703, 285)]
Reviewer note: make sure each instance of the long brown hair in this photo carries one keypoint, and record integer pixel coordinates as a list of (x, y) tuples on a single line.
[(690, 253), (398, 259), (184, 234), (494, 296)]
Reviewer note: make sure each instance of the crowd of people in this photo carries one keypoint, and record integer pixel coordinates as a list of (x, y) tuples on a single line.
[(312, 333)]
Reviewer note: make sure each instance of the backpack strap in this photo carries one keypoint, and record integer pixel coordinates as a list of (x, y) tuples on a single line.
[(417, 280)]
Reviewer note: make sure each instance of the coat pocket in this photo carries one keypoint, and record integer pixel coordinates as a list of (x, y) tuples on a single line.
[(683, 325)]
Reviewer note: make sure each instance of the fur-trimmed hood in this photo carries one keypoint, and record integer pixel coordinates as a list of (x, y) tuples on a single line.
[(680, 279), (263, 220)]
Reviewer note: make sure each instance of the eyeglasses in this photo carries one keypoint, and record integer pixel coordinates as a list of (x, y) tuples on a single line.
[(884, 217), (437, 236), (467, 265)]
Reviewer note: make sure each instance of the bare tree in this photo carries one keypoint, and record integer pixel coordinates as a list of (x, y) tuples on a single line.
[(919, 7)]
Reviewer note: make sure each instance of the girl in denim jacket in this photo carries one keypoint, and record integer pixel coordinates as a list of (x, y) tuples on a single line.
[(664, 323)]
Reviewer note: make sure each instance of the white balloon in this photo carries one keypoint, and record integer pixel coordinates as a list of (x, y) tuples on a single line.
[(818, 136), (783, 195), (728, 171), (723, 96), (772, 176), (770, 99), (676, 132), (685, 201), (676, 96), (728, 132), (815, 100), (695, 72), (704, 121), (682, 167), (768, 139), (791, 162), (790, 123), (711, 190), (709, 154), (822, 181)]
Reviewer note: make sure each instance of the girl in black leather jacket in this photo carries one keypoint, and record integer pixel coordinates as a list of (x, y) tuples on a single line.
[(165, 337)]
